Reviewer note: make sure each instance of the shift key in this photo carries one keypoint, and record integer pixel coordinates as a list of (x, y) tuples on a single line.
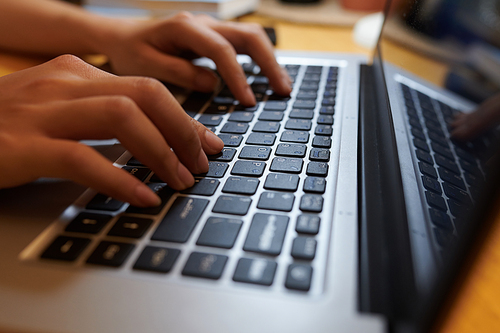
[(180, 220)]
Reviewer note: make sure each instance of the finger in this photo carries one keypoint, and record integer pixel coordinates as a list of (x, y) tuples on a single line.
[(105, 117), (468, 126)]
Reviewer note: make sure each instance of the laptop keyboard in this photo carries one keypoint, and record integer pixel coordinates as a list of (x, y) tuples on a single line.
[(256, 217), (450, 171)]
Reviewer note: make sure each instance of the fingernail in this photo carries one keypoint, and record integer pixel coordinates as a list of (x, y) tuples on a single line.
[(147, 197), (202, 162), (185, 176), (213, 141), (206, 81)]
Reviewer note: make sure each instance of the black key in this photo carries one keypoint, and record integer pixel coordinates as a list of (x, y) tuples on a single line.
[(226, 155), (139, 173), (266, 127), (299, 277), (440, 219), (304, 104), (440, 140), (311, 77), (238, 116), (275, 106), (327, 110), (180, 220), (424, 157), (241, 185), (317, 169), (452, 178), (280, 181), (205, 265), (220, 232), (210, 119), (224, 100), (135, 162), (111, 254), (314, 69), (204, 186), (298, 124), (415, 124), (318, 154), (323, 130), (255, 153), (216, 169), (330, 93), (304, 248), (325, 120), (195, 102), (322, 142), (446, 163), (443, 237), (427, 169), (432, 184), (470, 167), (260, 80), (435, 200), (131, 227), (315, 185), (464, 154), (307, 94), (240, 107), (271, 116), (291, 150), (231, 140), (248, 168), (456, 193), (217, 109), (472, 180), (266, 234), (89, 223), (308, 224), (313, 86), (163, 191), (311, 203), (328, 101), (234, 128), (257, 271), (104, 202), (458, 208), (287, 164), (295, 136), (421, 144), (446, 152), (227, 204), (265, 139), (157, 259), (276, 201), (66, 248), (302, 114)]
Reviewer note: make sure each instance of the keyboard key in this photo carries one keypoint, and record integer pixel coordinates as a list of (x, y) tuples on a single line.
[(424, 157), (327, 110), (304, 248), (66, 248), (234, 128), (287, 164), (157, 259), (307, 94), (319, 154), (317, 169), (271, 116), (298, 124), (226, 155), (204, 186), (304, 104), (470, 167), (311, 203), (239, 116), (210, 119), (248, 168), (104, 202), (233, 205), (446, 152), (231, 140), (322, 142), (280, 181), (137, 172), (111, 254), (435, 200), (241, 185), (205, 265), (421, 144), (291, 150), (295, 136), (308, 224), (432, 184), (163, 191), (265, 139), (427, 169), (276, 201), (266, 127), (255, 153), (315, 185), (266, 234), (456, 193), (452, 178), (89, 223), (312, 86), (257, 271), (220, 232), (131, 227), (440, 219), (180, 220), (447, 163), (443, 237), (323, 130), (299, 277), (328, 101), (301, 114), (275, 106), (325, 120)]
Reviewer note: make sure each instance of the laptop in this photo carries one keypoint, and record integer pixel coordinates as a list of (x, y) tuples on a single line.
[(343, 208)]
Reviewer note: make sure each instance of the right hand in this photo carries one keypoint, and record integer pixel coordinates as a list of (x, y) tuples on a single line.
[(45, 110)]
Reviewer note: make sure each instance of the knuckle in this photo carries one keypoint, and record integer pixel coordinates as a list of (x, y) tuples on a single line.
[(68, 61), (148, 86), (120, 110), (184, 16)]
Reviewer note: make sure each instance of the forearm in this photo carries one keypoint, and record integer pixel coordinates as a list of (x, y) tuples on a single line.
[(52, 27)]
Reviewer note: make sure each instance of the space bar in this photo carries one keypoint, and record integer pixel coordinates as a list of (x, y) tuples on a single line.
[(180, 220)]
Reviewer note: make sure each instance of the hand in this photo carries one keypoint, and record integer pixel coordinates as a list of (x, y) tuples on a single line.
[(44, 109), (487, 116), (156, 49)]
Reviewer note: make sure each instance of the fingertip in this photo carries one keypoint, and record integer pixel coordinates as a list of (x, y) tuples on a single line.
[(146, 197), (214, 143)]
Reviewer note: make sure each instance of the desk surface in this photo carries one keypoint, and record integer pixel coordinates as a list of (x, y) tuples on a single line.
[(477, 307)]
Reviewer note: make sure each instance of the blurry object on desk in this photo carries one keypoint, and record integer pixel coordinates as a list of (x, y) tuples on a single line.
[(364, 5), (221, 9)]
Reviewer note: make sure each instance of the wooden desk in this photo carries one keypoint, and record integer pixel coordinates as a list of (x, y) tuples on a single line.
[(477, 308)]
